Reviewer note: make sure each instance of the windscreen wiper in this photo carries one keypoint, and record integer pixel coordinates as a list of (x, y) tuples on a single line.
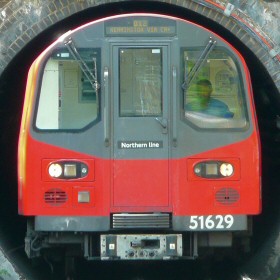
[(84, 67), (189, 77)]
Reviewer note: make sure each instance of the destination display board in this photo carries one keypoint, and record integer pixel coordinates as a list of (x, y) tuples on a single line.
[(140, 26)]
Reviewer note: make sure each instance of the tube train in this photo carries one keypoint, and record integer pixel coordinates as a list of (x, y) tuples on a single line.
[(138, 141)]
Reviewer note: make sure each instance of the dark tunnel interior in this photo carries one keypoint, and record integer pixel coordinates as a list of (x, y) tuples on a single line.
[(12, 87)]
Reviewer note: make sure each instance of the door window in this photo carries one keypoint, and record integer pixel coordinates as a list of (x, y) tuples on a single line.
[(140, 82)]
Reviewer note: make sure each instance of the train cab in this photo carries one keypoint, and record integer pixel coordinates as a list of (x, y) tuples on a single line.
[(139, 140)]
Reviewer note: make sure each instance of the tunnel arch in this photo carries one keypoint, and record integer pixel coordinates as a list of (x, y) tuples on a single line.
[(21, 22)]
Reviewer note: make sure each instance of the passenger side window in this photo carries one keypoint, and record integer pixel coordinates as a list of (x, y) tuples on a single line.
[(68, 96), (213, 90)]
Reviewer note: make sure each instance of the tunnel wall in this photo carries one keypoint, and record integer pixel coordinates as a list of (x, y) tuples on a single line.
[(255, 22)]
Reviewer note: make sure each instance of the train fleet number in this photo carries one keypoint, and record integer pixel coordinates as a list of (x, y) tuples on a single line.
[(211, 222)]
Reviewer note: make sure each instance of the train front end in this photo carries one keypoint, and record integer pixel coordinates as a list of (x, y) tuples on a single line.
[(138, 141)]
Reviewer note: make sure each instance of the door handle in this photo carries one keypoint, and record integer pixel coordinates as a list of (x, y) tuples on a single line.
[(163, 122)]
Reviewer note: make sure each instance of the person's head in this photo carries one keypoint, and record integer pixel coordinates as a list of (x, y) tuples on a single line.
[(204, 90)]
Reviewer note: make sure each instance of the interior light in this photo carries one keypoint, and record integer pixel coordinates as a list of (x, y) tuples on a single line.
[(65, 55), (55, 170), (83, 197), (226, 169)]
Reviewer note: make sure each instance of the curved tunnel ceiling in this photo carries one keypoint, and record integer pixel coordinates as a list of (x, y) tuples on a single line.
[(22, 21)]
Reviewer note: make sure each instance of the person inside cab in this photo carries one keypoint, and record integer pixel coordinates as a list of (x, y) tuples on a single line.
[(204, 103)]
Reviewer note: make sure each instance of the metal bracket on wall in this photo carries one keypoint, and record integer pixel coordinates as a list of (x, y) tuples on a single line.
[(229, 9)]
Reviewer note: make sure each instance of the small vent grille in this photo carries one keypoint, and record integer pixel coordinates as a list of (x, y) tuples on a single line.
[(227, 196), (153, 220), (55, 197)]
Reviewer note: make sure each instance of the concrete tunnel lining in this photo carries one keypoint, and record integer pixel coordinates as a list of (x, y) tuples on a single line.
[(24, 20), (21, 21)]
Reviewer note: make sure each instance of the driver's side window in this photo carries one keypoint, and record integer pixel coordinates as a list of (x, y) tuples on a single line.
[(214, 94)]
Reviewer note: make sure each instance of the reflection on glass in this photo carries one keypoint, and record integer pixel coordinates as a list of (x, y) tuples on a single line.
[(67, 93), (140, 82), (215, 98)]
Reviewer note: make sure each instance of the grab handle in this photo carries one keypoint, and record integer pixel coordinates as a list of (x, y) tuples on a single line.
[(106, 108), (174, 108)]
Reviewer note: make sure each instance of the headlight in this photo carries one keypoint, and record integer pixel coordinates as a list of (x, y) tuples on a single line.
[(68, 170), (226, 169), (55, 170), (213, 169)]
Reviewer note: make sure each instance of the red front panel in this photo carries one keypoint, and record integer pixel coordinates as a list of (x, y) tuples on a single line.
[(139, 183), (142, 191), (128, 185)]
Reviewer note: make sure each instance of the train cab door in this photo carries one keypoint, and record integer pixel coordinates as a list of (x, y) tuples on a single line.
[(140, 147)]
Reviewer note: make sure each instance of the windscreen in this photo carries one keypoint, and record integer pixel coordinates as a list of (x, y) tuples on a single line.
[(213, 90), (69, 98)]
